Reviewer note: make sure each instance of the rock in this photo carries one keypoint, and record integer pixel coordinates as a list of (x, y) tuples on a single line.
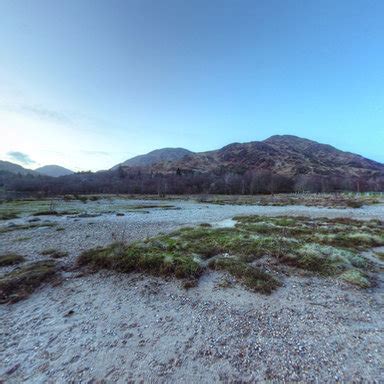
[(69, 313), (13, 369)]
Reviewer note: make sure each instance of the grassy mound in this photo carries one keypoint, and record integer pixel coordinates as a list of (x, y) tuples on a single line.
[(183, 254), (323, 246), (138, 258)]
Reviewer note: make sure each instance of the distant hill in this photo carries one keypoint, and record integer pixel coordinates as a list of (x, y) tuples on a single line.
[(54, 171), (7, 166), (47, 170), (156, 156)]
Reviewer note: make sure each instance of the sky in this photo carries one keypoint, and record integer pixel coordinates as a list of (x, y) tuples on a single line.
[(87, 84)]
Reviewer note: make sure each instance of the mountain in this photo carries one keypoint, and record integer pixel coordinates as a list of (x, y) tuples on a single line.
[(7, 166), (279, 164), (155, 157), (285, 155), (54, 171)]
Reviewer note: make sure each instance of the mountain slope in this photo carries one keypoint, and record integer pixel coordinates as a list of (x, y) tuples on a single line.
[(53, 170), (156, 156), (7, 166), (285, 155)]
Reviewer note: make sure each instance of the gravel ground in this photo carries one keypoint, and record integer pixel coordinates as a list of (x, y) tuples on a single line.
[(110, 327), (80, 234)]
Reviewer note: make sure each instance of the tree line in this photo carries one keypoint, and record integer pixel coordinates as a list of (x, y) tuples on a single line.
[(133, 181)]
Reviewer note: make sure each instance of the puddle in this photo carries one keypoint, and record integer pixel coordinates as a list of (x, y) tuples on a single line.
[(227, 223)]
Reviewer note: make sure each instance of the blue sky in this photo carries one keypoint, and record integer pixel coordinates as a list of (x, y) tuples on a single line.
[(88, 84)]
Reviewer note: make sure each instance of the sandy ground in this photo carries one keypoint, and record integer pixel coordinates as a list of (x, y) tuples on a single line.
[(110, 327)]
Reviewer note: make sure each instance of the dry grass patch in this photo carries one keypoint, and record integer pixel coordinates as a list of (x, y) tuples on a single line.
[(151, 206), (8, 216), (330, 200), (55, 213), (21, 282), (25, 227), (54, 253), (10, 259), (356, 277)]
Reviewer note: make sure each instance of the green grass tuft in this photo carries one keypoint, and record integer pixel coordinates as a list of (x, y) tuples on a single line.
[(324, 260), (251, 277), (356, 277)]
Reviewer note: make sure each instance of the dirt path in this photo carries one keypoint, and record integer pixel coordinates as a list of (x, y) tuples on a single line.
[(118, 328)]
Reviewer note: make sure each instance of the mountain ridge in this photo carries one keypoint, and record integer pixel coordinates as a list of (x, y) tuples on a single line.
[(279, 164), (46, 170), (7, 166), (287, 155), (157, 155)]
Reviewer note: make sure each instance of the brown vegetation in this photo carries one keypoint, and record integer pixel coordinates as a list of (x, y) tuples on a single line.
[(22, 281)]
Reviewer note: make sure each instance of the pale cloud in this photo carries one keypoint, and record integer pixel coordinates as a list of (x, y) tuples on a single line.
[(39, 112), (20, 157), (96, 153)]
